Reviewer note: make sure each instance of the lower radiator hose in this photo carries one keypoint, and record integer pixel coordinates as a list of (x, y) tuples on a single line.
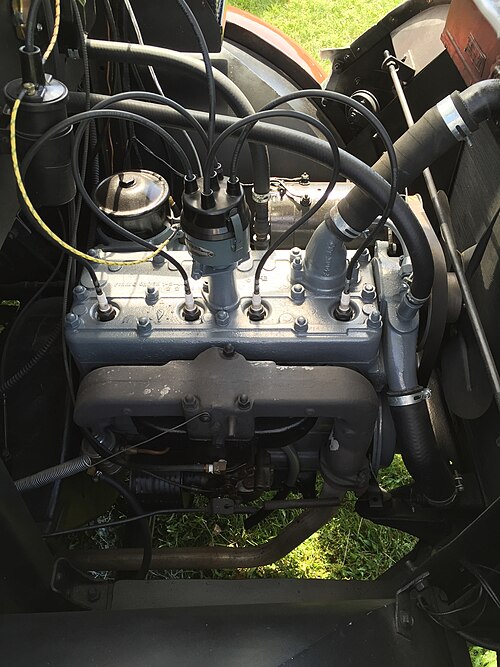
[(420, 453)]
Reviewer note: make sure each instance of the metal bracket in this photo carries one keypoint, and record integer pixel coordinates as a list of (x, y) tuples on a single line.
[(405, 72), (78, 588)]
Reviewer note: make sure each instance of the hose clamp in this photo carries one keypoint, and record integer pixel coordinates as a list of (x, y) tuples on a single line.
[(260, 198), (341, 225), (409, 399), (453, 120)]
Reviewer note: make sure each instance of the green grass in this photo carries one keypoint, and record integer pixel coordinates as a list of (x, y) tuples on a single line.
[(349, 547), (317, 24)]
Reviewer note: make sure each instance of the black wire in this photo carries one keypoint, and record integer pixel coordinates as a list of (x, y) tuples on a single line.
[(209, 70), (122, 522), (157, 157), (263, 115), (89, 115), (31, 23), (377, 126), (136, 508), (480, 248), (470, 567)]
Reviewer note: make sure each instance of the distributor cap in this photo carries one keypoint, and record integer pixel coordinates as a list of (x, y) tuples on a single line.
[(217, 234)]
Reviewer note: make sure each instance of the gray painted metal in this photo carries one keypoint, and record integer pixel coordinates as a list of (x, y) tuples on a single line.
[(326, 340)]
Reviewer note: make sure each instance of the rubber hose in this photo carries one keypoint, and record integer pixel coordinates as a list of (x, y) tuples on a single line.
[(137, 510), (316, 149), (420, 453), (421, 145), (151, 55)]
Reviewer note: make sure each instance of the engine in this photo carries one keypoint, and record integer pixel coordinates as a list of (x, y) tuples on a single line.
[(243, 315)]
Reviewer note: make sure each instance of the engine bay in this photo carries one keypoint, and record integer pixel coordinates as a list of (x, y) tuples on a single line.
[(258, 292)]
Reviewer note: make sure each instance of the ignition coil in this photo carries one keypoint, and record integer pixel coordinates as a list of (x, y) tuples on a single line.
[(49, 180)]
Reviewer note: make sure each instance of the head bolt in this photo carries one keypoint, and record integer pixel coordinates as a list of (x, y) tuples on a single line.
[(368, 293), (144, 326), (305, 202), (243, 402), (228, 350), (295, 252), (222, 318), (301, 324), (190, 402), (72, 321), (158, 261), (80, 293), (298, 293), (152, 295), (374, 320)]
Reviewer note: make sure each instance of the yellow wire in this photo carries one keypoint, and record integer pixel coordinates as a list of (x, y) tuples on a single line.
[(43, 225), (55, 32)]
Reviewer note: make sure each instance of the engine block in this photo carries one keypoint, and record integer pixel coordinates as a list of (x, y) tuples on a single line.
[(149, 327)]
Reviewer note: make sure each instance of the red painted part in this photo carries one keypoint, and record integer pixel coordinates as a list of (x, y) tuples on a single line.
[(278, 39)]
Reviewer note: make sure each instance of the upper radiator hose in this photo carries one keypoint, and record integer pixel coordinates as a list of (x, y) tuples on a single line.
[(453, 119)]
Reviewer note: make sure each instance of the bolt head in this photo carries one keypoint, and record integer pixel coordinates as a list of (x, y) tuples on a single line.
[(190, 401), (374, 320), (228, 350), (301, 324), (368, 293), (222, 317), (158, 260), (72, 321), (80, 293), (243, 401), (152, 295), (144, 326), (298, 293)]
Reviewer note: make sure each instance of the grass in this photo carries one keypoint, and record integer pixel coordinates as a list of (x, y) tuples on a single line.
[(317, 24), (348, 548)]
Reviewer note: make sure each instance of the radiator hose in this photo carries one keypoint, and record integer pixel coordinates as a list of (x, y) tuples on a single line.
[(418, 447), (451, 120)]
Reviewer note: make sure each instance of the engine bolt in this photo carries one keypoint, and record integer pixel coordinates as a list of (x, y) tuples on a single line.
[(144, 326), (243, 402), (152, 295), (305, 202), (298, 293), (228, 350), (222, 318), (297, 263), (368, 293), (295, 252), (190, 401), (301, 324), (158, 261), (374, 320), (94, 252), (206, 287), (72, 321), (80, 293)]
